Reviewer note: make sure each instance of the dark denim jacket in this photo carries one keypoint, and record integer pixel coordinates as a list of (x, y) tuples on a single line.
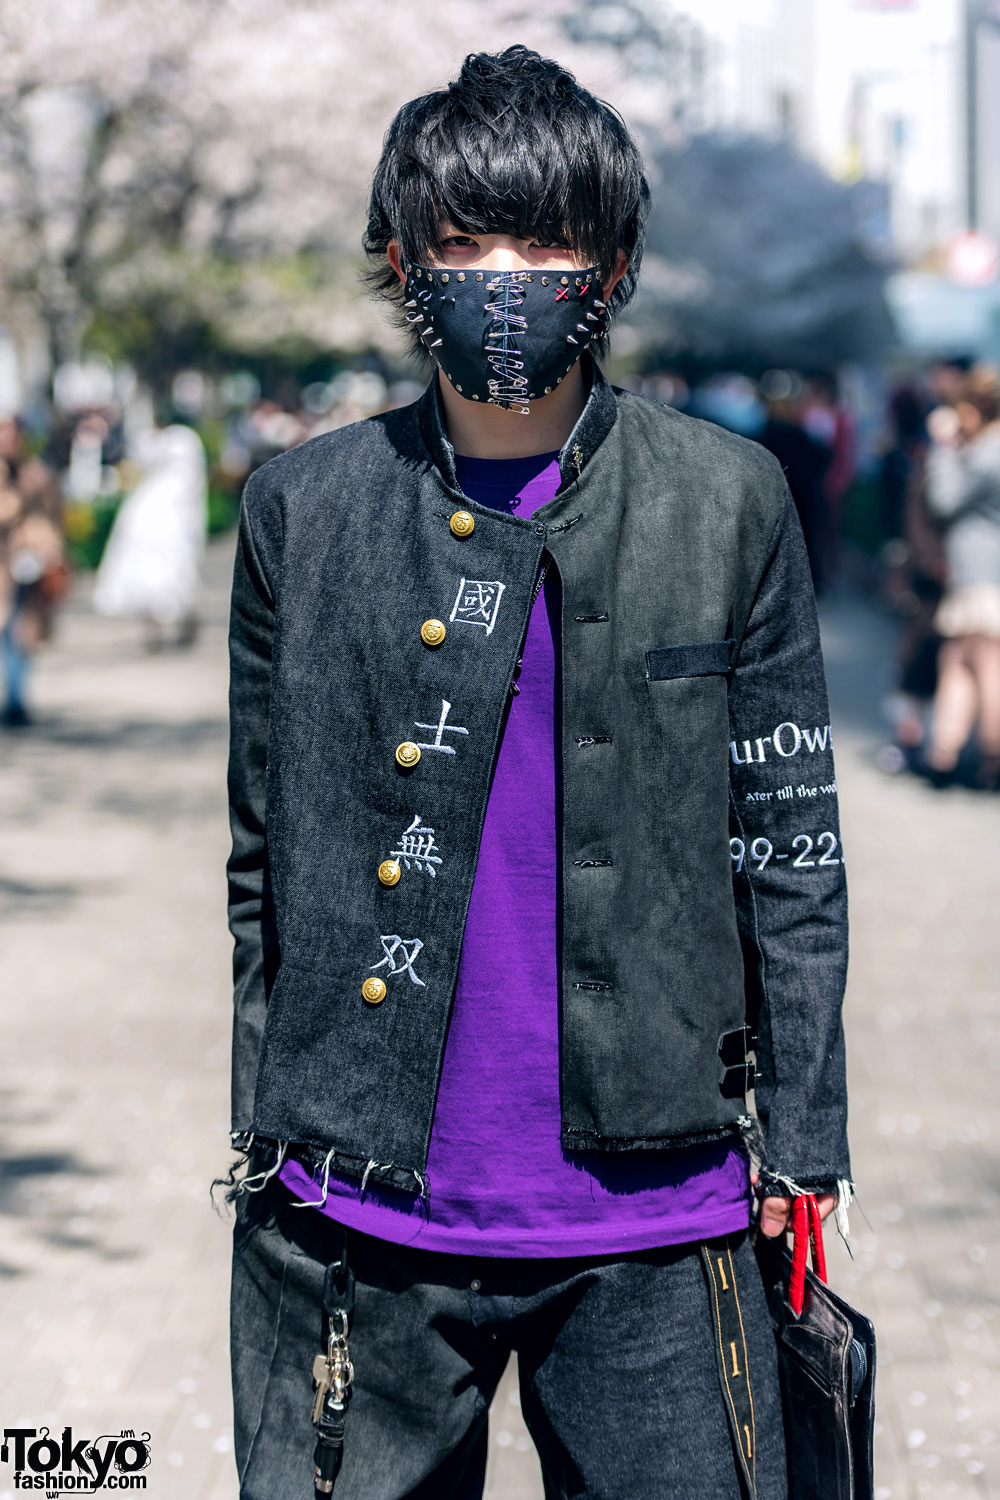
[(701, 878)]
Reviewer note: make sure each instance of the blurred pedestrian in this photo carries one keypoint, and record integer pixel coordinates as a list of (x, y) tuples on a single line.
[(963, 491), (151, 563), (271, 429), (805, 462), (915, 573), (902, 456), (828, 419), (946, 379), (33, 572)]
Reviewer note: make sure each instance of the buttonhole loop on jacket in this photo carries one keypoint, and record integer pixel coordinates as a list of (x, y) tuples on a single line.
[(565, 526), (592, 619), (601, 985), (585, 741), (594, 864)]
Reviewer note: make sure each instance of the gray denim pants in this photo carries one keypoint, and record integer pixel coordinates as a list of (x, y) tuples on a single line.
[(620, 1385)]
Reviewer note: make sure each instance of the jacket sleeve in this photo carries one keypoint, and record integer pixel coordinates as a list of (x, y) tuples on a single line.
[(251, 918), (790, 890)]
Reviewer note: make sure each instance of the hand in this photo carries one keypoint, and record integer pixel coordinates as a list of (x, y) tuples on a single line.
[(776, 1213), (944, 426)]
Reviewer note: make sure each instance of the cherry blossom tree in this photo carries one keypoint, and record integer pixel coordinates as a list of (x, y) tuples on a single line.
[(208, 159)]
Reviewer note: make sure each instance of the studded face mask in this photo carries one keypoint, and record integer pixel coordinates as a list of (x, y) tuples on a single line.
[(505, 337)]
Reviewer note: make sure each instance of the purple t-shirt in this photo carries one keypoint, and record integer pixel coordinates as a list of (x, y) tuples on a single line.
[(498, 1181)]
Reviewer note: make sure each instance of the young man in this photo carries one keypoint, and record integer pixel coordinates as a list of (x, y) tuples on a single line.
[(535, 837)]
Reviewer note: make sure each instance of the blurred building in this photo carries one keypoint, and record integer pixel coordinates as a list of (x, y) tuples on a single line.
[(982, 123), (903, 94), (871, 89)]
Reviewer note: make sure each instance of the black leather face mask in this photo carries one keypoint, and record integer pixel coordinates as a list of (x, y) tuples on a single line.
[(505, 337)]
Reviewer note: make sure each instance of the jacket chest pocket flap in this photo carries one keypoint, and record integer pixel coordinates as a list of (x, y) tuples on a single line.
[(702, 659)]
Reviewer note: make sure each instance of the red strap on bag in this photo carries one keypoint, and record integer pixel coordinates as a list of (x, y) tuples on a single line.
[(807, 1230)]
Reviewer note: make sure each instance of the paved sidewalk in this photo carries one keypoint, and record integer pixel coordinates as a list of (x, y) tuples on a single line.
[(923, 1034), (114, 968)]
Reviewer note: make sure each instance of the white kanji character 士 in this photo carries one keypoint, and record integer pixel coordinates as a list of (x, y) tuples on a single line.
[(441, 728)]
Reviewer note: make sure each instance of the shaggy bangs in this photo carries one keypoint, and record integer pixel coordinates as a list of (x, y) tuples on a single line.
[(514, 146)]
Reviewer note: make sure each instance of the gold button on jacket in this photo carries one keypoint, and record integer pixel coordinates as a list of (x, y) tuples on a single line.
[(432, 632), (462, 524), (373, 991), (389, 872), (407, 755)]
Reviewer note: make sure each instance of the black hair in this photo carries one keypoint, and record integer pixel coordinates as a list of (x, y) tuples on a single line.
[(513, 146)]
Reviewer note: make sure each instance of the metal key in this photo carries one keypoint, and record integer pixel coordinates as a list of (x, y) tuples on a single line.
[(323, 1376)]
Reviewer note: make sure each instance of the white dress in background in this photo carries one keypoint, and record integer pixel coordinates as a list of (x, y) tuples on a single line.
[(150, 565)]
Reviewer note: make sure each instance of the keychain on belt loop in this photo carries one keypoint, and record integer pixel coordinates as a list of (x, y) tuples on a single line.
[(333, 1374)]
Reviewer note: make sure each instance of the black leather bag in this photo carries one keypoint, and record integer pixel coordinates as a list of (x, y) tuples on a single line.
[(826, 1367)]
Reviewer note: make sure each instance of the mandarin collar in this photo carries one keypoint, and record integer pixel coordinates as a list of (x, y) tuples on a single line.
[(595, 422)]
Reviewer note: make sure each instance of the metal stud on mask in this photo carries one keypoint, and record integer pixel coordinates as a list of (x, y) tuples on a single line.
[(518, 344)]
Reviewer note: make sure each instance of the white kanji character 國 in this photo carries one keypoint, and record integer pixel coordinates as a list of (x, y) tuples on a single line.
[(478, 603)]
